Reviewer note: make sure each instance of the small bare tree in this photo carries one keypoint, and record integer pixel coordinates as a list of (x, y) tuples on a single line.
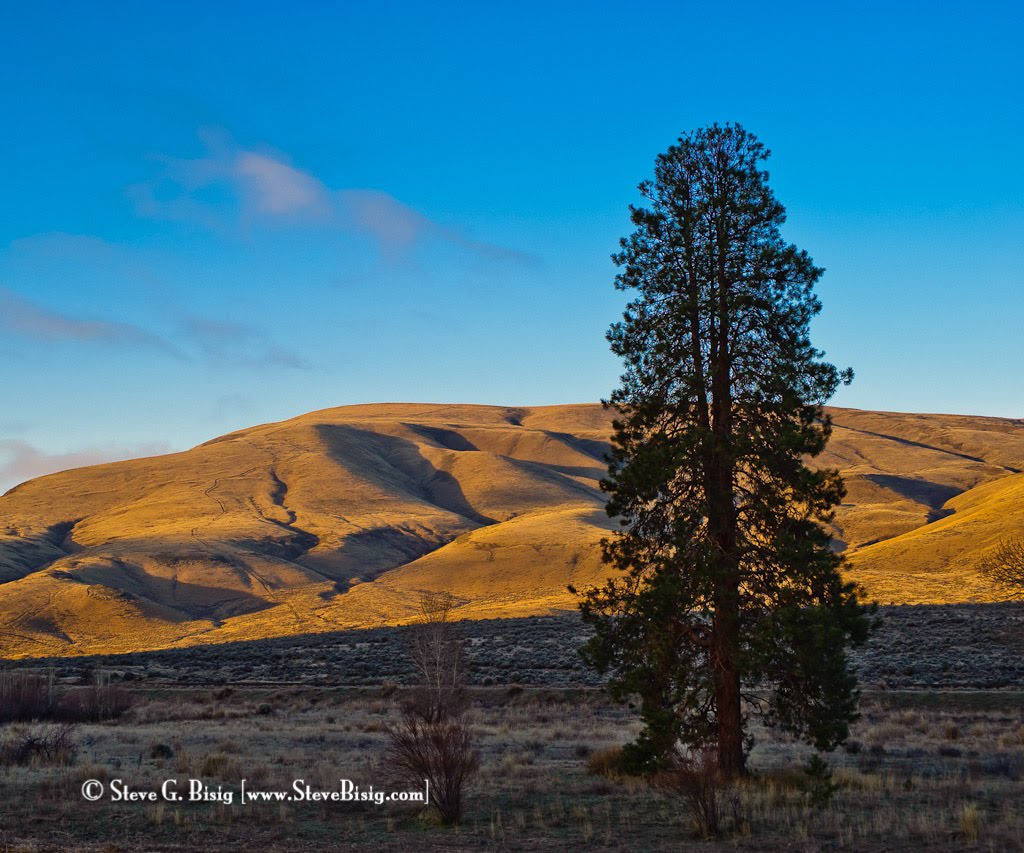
[(438, 655), (1004, 566), (431, 741)]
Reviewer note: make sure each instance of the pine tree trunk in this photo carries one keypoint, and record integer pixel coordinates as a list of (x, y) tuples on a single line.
[(726, 620), (723, 527), (727, 685)]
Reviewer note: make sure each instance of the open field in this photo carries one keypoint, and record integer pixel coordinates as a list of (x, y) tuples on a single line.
[(935, 762), (922, 771)]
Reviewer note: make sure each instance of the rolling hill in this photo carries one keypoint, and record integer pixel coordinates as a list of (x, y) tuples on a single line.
[(340, 518)]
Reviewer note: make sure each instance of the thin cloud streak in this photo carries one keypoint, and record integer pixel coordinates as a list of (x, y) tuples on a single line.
[(20, 461), (22, 317), (60, 250), (395, 226), (219, 344), (227, 344)]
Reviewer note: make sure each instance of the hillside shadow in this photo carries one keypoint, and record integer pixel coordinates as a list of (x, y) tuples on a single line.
[(560, 476), (447, 438), (398, 463), (452, 440), (925, 492), (922, 445), (25, 555), (599, 450), (190, 601), (368, 554)]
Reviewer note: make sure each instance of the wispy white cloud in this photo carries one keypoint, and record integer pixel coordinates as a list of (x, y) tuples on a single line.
[(20, 316), (275, 188), (20, 461), (265, 188), (396, 226)]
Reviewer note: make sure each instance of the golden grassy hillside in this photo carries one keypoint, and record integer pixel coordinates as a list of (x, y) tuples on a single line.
[(339, 518)]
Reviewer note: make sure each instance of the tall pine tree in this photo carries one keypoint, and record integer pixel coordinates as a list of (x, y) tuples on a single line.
[(728, 597)]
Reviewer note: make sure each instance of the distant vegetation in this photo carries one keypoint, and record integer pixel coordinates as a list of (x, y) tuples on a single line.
[(26, 696), (934, 647)]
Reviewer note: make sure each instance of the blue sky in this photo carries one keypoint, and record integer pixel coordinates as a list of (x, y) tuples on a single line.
[(215, 215)]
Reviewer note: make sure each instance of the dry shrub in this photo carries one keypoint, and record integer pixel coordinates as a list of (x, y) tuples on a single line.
[(219, 765), (1004, 567), (45, 744), (702, 787), (24, 696), (606, 762), (431, 741), (441, 752), (100, 701), (183, 762), (970, 822), (86, 771), (439, 656)]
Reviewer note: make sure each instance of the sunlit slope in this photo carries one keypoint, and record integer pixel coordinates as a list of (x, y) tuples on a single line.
[(265, 531), (340, 518), (485, 568), (938, 562), (901, 469)]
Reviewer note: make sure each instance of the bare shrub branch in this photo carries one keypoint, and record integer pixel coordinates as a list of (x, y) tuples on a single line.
[(26, 696), (1004, 566), (438, 654), (439, 751), (37, 745), (431, 742)]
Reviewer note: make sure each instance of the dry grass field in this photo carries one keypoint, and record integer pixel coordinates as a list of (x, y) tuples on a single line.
[(922, 772), (339, 519), (935, 762)]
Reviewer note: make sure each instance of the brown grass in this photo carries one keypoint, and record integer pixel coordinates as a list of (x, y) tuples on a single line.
[(533, 790)]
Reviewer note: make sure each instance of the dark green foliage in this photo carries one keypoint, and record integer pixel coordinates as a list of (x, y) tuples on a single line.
[(727, 588), (820, 787)]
